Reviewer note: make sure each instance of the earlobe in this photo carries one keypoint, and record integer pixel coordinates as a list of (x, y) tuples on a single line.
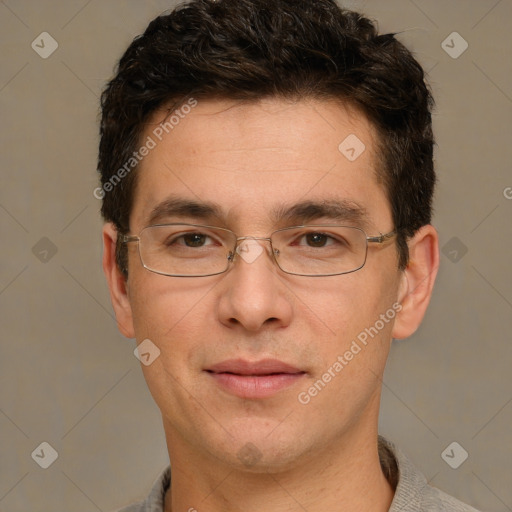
[(117, 283), (417, 281)]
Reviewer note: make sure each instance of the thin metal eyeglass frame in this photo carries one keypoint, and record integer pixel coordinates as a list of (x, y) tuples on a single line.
[(379, 239)]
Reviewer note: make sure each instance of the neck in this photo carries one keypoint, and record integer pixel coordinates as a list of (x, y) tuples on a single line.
[(349, 478)]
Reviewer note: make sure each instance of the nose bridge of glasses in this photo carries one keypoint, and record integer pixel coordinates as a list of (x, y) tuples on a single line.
[(250, 248), (241, 238)]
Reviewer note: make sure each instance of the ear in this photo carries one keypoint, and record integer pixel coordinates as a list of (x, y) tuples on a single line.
[(117, 283), (417, 281)]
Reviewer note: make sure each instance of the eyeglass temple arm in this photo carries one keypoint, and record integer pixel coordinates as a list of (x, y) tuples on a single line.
[(129, 238), (382, 238)]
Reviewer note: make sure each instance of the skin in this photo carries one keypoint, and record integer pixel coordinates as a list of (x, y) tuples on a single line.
[(250, 159)]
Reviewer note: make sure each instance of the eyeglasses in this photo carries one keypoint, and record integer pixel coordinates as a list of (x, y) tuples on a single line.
[(190, 250)]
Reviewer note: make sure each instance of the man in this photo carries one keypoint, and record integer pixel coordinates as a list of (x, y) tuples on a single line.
[(267, 177)]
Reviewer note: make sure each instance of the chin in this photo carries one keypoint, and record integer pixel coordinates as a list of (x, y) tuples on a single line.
[(260, 446)]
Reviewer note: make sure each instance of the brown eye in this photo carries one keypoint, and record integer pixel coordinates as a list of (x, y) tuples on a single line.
[(189, 240), (317, 239), (194, 239)]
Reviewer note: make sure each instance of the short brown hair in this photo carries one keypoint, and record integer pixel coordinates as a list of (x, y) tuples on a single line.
[(252, 49)]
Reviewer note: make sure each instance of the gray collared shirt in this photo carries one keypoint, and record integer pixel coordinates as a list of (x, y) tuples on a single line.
[(412, 494)]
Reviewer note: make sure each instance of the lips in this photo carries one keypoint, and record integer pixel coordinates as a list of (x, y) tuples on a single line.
[(263, 367), (259, 379)]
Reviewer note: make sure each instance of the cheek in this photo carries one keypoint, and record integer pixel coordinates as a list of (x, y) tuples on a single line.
[(345, 305), (161, 303), (359, 315), (356, 312), (173, 313)]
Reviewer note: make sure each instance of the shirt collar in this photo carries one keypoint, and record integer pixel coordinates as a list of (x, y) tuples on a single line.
[(403, 476)]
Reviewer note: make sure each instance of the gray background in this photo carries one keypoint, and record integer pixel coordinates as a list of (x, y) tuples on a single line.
[(68, 378)]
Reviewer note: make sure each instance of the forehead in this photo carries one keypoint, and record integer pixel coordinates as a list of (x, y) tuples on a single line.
[(251, 160)]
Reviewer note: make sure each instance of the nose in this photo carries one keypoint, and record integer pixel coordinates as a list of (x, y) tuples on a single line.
[(254, 295)]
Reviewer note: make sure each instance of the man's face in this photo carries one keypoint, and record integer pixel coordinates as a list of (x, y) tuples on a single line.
[(252, 161)]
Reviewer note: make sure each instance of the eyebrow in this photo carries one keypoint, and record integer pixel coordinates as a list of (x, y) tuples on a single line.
[(338, 210), (181, 208)]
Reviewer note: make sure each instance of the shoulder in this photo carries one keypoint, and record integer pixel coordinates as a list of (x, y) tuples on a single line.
[(155, 500), (413, 493), (134, 507), (434, 500)]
